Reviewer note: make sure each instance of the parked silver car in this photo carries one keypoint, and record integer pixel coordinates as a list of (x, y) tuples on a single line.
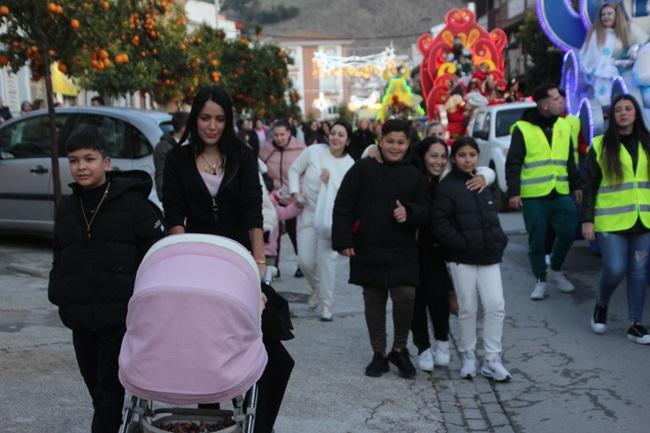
[(26, 192)]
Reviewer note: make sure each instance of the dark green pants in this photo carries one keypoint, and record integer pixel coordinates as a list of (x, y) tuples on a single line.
[(558, 213)]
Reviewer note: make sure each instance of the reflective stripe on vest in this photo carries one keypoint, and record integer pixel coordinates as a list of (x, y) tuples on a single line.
[(545, 165), (619, 205)]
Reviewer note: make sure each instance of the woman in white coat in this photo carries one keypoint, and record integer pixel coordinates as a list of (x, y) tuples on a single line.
[(322, 167)]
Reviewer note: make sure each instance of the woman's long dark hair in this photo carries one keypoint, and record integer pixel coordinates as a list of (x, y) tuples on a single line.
[(422, 148), (348, 131), (612, 139), (228, 138)]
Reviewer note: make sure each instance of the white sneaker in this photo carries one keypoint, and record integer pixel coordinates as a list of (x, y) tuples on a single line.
[(494, 369), (547, 259), (539, 292), (326, 315), (561, 280), (425, 361), (468, 366), (441, 353)]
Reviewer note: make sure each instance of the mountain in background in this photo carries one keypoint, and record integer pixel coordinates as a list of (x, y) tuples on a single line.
[(372, 24)]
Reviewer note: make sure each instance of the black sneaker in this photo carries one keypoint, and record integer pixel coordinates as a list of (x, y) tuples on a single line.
[(402, 361), (378, 366), (599, 319), (638, 333), (298, 273)]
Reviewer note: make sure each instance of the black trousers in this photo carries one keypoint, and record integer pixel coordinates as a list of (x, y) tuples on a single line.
[(272, 385), (432, 296), (97, 352)]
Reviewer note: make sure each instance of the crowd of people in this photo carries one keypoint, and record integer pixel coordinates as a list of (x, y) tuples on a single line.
[(414, 217)]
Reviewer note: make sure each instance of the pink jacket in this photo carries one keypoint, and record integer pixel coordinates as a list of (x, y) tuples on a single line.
[(278, 160)]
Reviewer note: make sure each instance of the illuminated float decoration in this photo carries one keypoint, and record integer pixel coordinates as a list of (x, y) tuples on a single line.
[(399, 100), (567, 29), (436, 71)]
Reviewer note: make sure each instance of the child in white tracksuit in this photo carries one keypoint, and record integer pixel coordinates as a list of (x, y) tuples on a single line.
[(467, 226), (322, 167)]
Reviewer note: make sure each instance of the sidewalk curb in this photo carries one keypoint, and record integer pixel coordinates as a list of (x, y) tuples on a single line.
[(34, 271)]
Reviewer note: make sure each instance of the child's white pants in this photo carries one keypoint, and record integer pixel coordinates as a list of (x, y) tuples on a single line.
[(472, 282)]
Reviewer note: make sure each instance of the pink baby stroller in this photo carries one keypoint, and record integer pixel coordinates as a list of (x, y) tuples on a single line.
[(193, 336)]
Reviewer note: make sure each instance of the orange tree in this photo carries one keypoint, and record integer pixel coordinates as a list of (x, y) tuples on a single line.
[(39, 32), (189, 62), (256, 77), (144, 36)]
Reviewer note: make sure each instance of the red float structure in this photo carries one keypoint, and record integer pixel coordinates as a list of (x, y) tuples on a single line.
[(436, 70)]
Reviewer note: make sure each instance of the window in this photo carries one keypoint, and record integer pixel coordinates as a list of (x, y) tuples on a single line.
[(114, 131), (140, 144), (505, 119), (478, 122), (29, 138)]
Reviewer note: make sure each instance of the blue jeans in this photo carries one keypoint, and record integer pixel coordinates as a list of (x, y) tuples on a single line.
[(624, 254)]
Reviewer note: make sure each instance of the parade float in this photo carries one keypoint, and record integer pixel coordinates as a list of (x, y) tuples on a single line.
[(461, 41), (588, 97)]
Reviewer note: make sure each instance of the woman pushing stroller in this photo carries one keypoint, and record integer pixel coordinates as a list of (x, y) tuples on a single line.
[(211, 186)]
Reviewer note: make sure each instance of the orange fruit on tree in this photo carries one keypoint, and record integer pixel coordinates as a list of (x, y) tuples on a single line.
[(105, 6), (4, 10), (4, 60), (52, 7), (74, 23), (103, 54), (59, 9)]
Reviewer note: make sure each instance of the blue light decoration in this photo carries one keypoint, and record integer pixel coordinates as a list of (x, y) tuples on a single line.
[(570, 80), (561, 23)]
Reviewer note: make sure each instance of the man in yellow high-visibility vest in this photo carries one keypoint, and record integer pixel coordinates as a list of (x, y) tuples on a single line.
[(541, 173)]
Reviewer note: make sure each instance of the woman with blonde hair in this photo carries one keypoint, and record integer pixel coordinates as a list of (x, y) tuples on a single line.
[(610, 47)]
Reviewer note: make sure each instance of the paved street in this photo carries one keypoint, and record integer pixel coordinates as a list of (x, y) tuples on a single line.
[(565, 379)]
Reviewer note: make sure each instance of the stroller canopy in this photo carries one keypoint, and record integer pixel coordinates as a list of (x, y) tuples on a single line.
[(194, 322)]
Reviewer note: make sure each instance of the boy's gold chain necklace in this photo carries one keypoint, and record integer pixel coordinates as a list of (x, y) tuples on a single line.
[(88, 222)]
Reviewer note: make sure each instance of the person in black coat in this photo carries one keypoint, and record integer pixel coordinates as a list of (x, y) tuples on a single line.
[(466, 223), (361, 138), (377, 212), (102, 231), (211, 185)]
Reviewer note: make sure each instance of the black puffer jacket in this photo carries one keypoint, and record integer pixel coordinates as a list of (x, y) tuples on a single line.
[(92, 278), (466, 223), (386, 251)]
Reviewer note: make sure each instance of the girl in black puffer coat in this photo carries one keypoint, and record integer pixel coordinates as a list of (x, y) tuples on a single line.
[(467, 225)]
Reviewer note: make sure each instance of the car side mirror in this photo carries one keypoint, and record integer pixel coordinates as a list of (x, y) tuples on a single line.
[(483, 135)]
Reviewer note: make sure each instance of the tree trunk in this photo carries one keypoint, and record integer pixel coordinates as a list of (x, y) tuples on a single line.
[(54, 139)]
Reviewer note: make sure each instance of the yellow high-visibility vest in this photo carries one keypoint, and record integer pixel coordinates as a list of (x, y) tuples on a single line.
[(545, 166), (619, 205), (574, 123)]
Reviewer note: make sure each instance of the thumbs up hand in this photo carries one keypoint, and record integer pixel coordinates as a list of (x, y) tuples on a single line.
[(400, 212)]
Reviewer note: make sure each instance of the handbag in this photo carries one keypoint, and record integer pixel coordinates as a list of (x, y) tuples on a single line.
[(324, 210), (276, 317)]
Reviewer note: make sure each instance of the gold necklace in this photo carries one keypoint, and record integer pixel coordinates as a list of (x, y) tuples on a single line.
[(88, 222), (212, 168)]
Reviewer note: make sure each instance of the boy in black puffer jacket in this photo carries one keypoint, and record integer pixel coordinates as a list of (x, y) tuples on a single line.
[(377, 212), (465, 222), (102, 232)]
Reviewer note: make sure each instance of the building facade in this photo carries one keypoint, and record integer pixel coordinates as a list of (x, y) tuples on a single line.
[(321, 95), (507, 15)]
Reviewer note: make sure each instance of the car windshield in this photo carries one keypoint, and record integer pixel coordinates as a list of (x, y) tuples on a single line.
[(506, 118)]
